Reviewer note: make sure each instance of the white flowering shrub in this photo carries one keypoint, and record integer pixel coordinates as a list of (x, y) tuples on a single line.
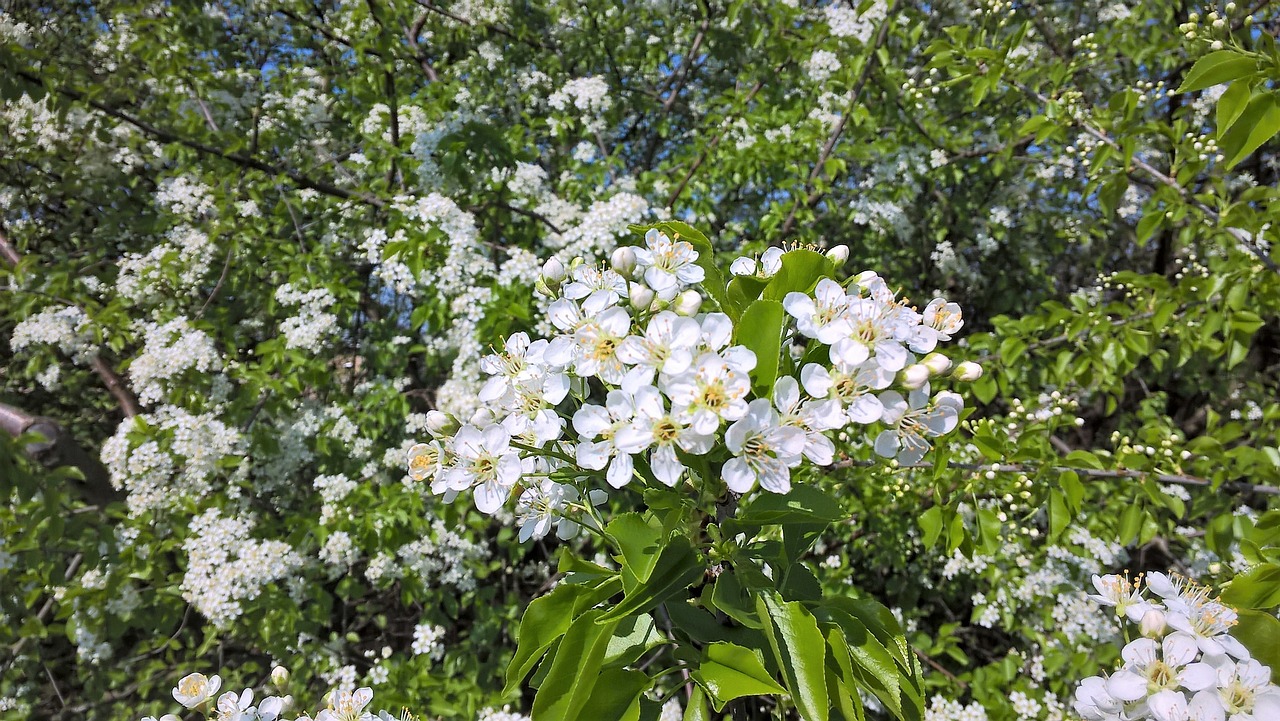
[(267, 271)]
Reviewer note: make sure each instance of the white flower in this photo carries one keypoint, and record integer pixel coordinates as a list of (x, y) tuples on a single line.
[(810, 417), (711, 391), (425, 460), (942, 317), (764, 450), (668, 264), (1246, 692), (271, 707), (1093, 702), (717, 331), (521, 364), (1170, 705), (592, 422), (1150, 668), (851, 388), (1194, 614), (544, 504), (348, 706), (872, 328), (1123, 594), (597, 288), (911, 422), (768, 266), (825, 316), (486, 461), (667, 346), (598, 340), (236, 707), (195, 688), (655, 427)]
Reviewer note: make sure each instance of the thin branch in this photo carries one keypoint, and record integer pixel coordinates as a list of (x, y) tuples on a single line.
[(115, 385), (702, 157), (813, 196), (1174, 478), (167, 136), (1243, 238)]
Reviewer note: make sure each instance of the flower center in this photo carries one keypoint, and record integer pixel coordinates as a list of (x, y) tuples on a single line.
[(665, 431)]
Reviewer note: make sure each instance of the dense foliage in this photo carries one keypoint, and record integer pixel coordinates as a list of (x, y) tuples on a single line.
[(247, 248)]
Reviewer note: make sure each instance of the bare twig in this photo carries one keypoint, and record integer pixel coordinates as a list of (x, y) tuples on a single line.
[(1174, 478), (814, 195)]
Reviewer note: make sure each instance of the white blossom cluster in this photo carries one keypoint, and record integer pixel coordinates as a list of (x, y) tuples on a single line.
[(443, 559), (312, 326), (169, 350), (185, 256), (225, 566), (196, 691), (845, 22), (675, 383), (1185, 666), (428, 640), (185, 196), (177, 463), (65, 328), (590, 96)]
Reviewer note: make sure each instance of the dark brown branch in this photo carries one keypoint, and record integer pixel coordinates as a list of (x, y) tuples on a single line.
[(58, 449), (115, 385)]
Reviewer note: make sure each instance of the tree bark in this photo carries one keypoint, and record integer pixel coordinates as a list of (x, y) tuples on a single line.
[(58, 449)]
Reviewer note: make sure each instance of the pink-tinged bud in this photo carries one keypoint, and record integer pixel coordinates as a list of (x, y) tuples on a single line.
[(914, 376), (440, 424), (641, 295), (968, 372), (623, 261), (687, 303), (554, 272), (838, 254), (937, 363), (1153, 624)]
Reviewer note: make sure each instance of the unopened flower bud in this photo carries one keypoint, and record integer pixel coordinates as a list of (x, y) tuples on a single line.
[(968, 372), (439, 424), (553, 272), (838, 254), (915, 376), (541, 288), (1153, 623), (623, 261), (280, 674), (641, 295), (937, 363), (687, 303), (482, 418)]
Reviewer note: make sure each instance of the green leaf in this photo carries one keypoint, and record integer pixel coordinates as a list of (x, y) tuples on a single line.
[(1258, 589), (575, 669), (801, 270), (743, 291), (1260, 633), (802, 504), (800, 651), (677, 568), (729, 671), (1257, 124), (760, 329), (1232, 104), (1217, 67), (635, 636), (547, 619), (735, 601), (639, 540), (616, 696), (931, 524), (696, 710)]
